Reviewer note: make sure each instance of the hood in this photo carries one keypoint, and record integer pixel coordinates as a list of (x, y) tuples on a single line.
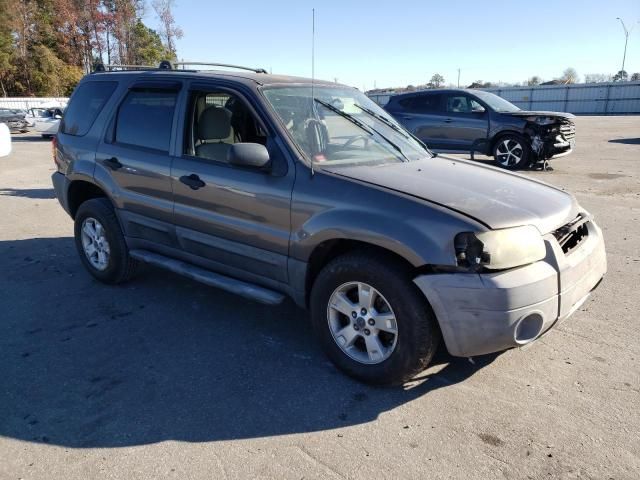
[(530, 113), (495, 198)]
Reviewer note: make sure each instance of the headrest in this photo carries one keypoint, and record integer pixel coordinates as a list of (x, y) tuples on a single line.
[(214, 124)]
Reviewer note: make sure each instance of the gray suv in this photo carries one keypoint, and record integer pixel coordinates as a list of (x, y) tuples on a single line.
[(271, 186)]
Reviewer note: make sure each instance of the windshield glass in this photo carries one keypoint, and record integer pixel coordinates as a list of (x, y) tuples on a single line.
[(496, 103), (342, 126)]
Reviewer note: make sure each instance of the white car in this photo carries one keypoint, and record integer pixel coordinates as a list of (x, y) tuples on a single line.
[(47, 121)]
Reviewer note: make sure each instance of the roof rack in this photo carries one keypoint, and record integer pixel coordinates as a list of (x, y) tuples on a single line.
[(100, 67), (167, 65), (227, 65)]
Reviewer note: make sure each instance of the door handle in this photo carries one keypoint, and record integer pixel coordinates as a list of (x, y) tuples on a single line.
[(448, 120), (113, 163), (192, 181)]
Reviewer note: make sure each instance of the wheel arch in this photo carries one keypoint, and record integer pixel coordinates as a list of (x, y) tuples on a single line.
[(80, 191), (503, 133), (328, 250)]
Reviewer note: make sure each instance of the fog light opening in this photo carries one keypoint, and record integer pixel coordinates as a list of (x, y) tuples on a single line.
[(528, 328)]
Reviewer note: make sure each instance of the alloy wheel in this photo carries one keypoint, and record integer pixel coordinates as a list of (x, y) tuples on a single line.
[(509, 152), (362, 323), (95, 243)]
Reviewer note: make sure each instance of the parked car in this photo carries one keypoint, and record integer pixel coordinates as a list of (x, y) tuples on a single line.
[(13, 119), (48, 121), (460, 120), (43, 110), (5, 140), (270, 186)]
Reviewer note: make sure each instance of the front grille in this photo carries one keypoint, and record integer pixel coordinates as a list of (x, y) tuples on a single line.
[(568, 130), (571, 235)]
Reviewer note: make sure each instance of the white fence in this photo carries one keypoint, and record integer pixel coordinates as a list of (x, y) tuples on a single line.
[(612, 98), (25, 103)]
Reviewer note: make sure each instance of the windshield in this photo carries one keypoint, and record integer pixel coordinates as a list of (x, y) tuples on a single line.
[(342, 126), (496, 103)]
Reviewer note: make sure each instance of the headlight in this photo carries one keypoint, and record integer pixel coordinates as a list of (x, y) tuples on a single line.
[(499, 249), (542, 120)]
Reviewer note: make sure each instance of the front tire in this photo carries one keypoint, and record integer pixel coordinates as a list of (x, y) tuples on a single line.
[(100, 242), (512, 152), (371, 320)]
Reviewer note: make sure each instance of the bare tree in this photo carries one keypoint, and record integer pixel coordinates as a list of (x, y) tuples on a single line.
[(596, 77), (621, 76), (570, 75), (169, 31), (533, 81), (436, 81)]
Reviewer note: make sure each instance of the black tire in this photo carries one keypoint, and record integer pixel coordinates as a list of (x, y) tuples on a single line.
[(45, 136), (520, 156), (120, 266), (418, 334)]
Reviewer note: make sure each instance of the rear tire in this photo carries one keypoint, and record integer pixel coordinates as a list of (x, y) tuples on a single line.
[(512, 152), (100, 242), (396, 305)]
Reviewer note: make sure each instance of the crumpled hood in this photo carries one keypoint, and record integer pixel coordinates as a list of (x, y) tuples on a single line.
[(527, 113), (496, 198)]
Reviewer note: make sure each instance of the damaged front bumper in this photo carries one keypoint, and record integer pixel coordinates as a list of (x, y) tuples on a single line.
[(482, 313), (552, 140)]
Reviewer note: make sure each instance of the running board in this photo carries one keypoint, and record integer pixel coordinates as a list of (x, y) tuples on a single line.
[(244, 289)]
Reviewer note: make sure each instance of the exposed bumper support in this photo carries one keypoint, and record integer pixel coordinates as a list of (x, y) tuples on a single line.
[(484, 313)]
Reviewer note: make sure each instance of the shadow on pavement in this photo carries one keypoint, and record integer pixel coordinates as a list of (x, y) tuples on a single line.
[(30, 137), (164, 358), (626, 141), (37, 193)]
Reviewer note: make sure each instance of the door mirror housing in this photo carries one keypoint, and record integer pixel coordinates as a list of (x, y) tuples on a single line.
[(57, 117), (251, 155), (479, 109)]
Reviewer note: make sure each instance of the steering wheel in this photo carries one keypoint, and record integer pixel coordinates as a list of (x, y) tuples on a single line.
[(352, 140)]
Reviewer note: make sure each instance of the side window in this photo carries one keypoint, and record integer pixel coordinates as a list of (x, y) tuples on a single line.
[(86, 103), (216, 120), (463, 104), (145, 118), (429, 103)]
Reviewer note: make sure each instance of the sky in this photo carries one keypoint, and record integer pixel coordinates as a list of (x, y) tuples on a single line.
[(401, 43)]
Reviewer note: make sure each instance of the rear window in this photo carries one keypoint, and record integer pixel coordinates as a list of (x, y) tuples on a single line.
[(86, 103), (421, 103), (145, 118)]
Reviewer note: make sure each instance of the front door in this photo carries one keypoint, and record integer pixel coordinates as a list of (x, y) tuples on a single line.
[(464, 123), (237, 219)]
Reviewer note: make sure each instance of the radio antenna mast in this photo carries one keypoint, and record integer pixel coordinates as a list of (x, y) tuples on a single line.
[(314, 111)]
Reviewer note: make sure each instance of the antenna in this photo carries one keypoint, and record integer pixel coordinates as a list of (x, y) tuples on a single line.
[(313, 69), (313, 49)]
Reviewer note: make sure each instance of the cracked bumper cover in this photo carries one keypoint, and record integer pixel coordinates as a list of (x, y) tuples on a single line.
[(480, 313)]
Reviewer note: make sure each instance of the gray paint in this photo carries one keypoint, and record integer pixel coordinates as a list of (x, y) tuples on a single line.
[(262, 227)]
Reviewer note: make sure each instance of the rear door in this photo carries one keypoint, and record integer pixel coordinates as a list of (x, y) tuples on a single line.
[(236, 220), (421, 114), (465, 122), (134, 163)]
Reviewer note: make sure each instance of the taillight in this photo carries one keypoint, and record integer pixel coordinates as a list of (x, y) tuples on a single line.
[(54, 144)]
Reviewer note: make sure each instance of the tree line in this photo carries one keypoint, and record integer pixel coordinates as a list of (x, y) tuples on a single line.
[(46, 46), (569, 76)]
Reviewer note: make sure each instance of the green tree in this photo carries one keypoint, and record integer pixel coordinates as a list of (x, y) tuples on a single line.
[(146, 46)]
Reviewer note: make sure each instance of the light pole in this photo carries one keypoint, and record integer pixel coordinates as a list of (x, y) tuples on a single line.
[(626, 39)]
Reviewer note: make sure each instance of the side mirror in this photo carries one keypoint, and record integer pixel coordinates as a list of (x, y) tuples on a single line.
[(479, 110), (57, 117), (253, 155), (5, 140)]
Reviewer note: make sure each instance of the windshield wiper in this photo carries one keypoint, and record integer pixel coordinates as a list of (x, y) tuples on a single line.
[(382, 119), (386, 121), (370, 130)]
